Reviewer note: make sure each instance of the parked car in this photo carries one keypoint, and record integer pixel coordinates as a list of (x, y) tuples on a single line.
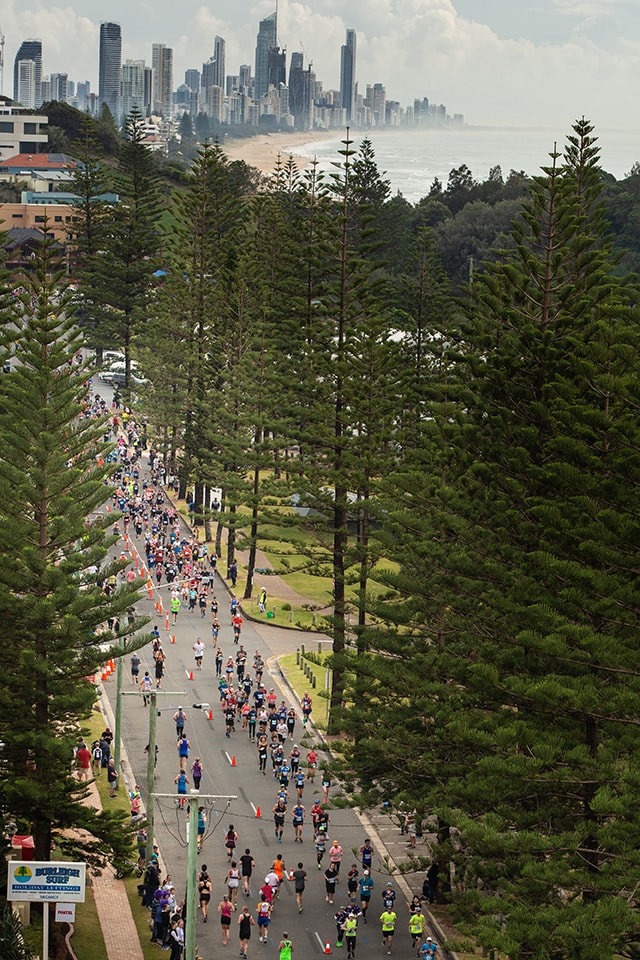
[(112, 356), (118, 377), (121, 366)]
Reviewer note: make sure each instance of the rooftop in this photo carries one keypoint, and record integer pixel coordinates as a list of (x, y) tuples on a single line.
[(38, 161)]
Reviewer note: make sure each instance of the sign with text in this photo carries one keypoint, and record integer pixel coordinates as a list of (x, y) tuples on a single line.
[(65, 913), (56, 880)]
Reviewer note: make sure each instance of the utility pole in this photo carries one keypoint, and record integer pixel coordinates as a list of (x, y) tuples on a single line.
[(151, 759), (192, 860), (119, 678), (1, 62)]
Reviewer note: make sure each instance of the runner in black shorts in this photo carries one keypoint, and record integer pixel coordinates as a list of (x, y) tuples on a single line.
[(279, 813)]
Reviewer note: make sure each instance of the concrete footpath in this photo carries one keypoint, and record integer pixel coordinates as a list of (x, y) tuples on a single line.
[(112, 903)]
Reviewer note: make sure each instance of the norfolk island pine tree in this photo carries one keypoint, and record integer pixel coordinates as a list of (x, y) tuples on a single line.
[(52, 480)]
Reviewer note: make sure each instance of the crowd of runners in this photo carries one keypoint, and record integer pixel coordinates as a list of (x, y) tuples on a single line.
[(187, 571)]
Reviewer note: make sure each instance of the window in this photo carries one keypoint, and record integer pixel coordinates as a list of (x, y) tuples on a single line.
[(30, 128), (39, 219), (57, 219), (6, 126)]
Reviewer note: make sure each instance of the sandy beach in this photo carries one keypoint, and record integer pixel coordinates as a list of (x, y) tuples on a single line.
[(262, 150)]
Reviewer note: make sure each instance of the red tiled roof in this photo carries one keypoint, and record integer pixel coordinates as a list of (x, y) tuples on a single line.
[(39, 161)]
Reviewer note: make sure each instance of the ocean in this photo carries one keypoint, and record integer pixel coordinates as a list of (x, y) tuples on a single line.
[(412, 159)]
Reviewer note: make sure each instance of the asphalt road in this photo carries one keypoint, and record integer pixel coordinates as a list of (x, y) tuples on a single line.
[(311, 929)]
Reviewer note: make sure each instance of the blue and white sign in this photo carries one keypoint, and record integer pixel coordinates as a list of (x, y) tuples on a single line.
[(57, 880)]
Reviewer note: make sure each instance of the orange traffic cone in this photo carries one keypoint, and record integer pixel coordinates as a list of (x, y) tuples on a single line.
[(149, 588), (108, 508), (137, 563), (210, 714), (160, 610), (166, 622), (291, 874), (258, 814), (143, 572), (327, 947), (233, 760), (173, 636), (190, 674)]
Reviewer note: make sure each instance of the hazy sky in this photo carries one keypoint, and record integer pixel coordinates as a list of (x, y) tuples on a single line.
[(524, 62)]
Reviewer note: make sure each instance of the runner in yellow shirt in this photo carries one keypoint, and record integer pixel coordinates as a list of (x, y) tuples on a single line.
[(416, 929), (388, 920)]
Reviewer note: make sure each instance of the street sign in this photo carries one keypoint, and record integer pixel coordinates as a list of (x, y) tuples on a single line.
[(55, 880)]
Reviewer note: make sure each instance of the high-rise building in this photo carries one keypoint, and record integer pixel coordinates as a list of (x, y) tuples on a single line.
[(348, 75), (300, 81), (378, 104), (192, 79), (215, 103), (244, 77), (218, 61), (29, 50), (266, 41), (277, 67), (83, 92), (110, 68), (59, 87), (45, 90), (25, 85), (132, 87), (162, 66), (148, 89)]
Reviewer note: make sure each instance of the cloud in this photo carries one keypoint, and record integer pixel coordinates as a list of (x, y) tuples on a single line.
[(415, 48)]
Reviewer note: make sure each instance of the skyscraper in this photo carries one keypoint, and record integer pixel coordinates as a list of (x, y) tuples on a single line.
[(162, 66), (59, 87), (266, 41), (277, 67), (110, 67), (192, 78), (29, 50), (83, 92), (348, 75), (132, 89), (300, 91), (25, 86), (218, 60)]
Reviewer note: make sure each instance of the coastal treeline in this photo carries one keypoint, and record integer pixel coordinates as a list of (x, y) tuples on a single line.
[(466, 437)]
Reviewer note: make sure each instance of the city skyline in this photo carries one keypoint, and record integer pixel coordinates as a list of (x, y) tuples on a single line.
[(525, 67)]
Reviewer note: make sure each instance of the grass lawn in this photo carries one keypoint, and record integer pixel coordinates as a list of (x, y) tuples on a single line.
[(300, 684), (87, 940), (286, 547), (141, 917)]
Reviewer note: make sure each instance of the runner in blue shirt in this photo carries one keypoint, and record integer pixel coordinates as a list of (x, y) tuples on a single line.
[(428, 949), (366, 885)]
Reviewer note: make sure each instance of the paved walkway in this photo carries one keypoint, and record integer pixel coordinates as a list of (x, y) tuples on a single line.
[(114, 910)]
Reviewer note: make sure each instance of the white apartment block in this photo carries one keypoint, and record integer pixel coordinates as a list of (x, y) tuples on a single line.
[(20, 131)]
